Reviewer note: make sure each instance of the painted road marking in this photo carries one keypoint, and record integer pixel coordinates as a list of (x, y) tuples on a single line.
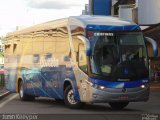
[(8, 100), (4, 94)]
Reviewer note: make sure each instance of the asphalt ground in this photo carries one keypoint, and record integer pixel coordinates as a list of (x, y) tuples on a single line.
[(49, 109)]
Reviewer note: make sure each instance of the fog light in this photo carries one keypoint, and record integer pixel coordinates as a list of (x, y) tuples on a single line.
[(102, 87), (95, 95)]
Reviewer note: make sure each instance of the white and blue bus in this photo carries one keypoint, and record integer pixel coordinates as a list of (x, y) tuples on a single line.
[(84, 59)]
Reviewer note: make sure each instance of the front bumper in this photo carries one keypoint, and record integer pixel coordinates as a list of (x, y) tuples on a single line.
[(119, 94)]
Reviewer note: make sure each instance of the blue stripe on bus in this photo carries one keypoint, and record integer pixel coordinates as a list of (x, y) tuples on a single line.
[(112, 28), (46, 76), (108, 84)]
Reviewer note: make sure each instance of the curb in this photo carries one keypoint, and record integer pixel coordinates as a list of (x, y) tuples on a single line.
[(4, 94)]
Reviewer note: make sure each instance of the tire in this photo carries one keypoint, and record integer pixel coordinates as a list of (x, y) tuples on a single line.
[(22, 95), (118, 105), (69, 98)]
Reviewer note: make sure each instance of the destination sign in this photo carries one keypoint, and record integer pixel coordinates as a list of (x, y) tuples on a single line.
[(103, 34)]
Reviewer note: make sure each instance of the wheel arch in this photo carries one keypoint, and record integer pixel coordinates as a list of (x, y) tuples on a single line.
[(75, 89), (66, 83), (17, 84)]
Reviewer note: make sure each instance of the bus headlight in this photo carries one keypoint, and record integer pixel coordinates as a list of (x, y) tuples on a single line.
[(99, 87), (143, 86), (96, 86)]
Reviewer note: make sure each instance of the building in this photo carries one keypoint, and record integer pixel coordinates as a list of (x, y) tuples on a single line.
[(1, 55), (153, 32), (149, 20)]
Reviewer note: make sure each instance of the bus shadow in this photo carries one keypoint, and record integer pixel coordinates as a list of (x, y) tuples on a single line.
[(105, 107), (87, 107), (50, 101)]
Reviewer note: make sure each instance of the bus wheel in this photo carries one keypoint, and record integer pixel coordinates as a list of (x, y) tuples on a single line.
[(22, 95), (118, 105), (69, 98)]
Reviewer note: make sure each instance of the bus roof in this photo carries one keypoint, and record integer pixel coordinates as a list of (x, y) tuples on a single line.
[(40, 27), (82, 21)]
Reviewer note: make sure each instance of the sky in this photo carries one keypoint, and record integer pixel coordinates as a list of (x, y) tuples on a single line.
[(26, 13)]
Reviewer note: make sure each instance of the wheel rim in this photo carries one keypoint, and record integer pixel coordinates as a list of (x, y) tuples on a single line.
[(21, 91), (70, 97)]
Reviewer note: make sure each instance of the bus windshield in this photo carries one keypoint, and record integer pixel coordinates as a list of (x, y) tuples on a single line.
[(119, 56)]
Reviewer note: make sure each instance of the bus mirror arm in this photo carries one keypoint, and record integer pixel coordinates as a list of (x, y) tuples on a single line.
[(86, 43), (154, 45)]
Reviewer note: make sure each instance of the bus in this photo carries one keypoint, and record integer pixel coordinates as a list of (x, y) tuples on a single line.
[(80, 59)]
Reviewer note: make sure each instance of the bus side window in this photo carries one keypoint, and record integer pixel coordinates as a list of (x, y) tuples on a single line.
[(66, 58), (82, 58), (9, 47), (14, 47), (6, 49), (36, 58), (17, 47), (48, 56)]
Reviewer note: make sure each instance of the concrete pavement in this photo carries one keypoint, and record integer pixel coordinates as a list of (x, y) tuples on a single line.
[(3, 92)]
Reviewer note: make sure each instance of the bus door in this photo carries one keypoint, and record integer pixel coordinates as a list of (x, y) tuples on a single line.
[(82, 69), (83, 77)]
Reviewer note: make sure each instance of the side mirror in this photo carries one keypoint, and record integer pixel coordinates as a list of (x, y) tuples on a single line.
[(86, 43), (154, 46)]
